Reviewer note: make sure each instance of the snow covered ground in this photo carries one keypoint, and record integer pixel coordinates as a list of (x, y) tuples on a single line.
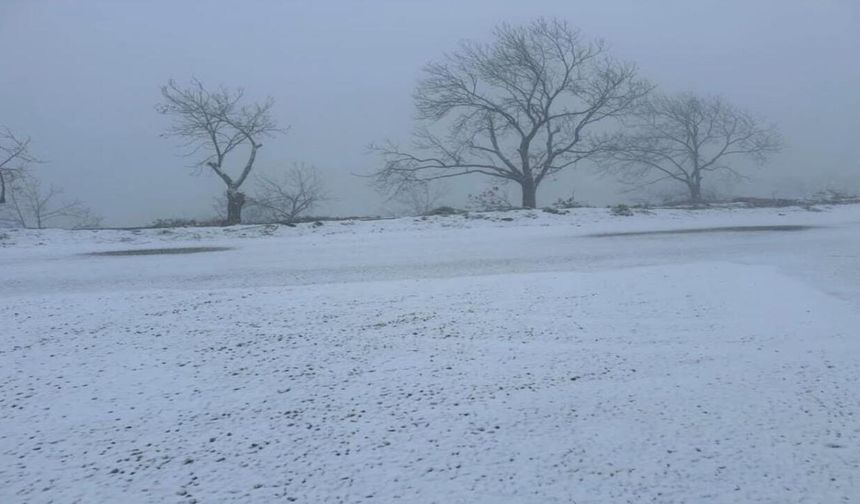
[(503, 358)]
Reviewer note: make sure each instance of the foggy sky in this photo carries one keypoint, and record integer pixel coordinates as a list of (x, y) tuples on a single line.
[(82, 78)]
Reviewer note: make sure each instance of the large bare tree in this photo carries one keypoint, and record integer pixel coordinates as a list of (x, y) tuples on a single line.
[(522, 108), (216, 124), (685, 138), (15, 158)]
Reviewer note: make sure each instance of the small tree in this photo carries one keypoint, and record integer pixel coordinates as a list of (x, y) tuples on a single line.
[(421, 197), (15, 158), (685, 138), (521, 108), (291, 195), (32, 206), (215, 124)]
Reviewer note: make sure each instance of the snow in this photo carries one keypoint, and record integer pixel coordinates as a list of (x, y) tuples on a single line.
[(452, 359)]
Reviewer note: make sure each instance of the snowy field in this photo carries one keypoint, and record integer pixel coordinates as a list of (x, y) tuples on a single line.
[(511, 358)]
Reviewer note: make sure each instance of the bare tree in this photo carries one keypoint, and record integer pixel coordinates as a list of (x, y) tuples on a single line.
[(15, 158), (686, 138), (214, 124), (521, 108), (421, 197), (290, 195), (32, 206)]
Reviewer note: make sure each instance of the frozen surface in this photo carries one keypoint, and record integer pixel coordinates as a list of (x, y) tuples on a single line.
[(443, 360)]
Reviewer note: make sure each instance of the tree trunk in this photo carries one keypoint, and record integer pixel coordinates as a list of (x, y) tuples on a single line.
[(695, 192), (529, 193), (235, 202), (2, 188)]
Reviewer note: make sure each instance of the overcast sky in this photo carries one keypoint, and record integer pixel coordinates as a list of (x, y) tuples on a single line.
[(82, 78)]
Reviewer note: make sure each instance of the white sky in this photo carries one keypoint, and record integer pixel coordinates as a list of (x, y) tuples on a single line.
[(82, 78)]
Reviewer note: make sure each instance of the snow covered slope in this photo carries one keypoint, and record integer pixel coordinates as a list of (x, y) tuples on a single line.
[(442, 360)]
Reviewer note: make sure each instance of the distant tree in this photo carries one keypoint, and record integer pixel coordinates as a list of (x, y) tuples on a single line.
[(521, 108), (686, 138), (421, 197), (214, 124), (15, 158), (290, 195), (32, 206)]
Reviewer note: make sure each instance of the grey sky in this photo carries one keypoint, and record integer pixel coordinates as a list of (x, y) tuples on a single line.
[(82, 78)]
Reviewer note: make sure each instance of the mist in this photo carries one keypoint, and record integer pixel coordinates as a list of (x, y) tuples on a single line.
[(414, 251), (82, 79)]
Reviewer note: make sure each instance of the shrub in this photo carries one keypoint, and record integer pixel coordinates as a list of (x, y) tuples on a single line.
[(554, 210), (444, 210), (182, 222), (621, 210), (491, 199), (567, 203), (834, 196)]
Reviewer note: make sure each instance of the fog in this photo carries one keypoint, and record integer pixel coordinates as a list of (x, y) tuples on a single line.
[(82, 79)]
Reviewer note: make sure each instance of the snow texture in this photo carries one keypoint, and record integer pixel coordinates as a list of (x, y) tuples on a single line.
[(449, 360)]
